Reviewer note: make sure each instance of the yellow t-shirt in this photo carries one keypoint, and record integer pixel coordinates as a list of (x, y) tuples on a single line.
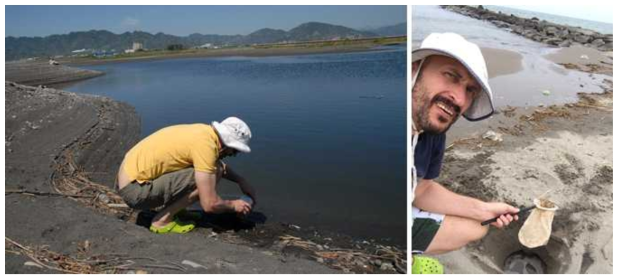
[(173, 148)]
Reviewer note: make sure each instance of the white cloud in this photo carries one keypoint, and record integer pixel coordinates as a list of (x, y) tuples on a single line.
[(130, 22)]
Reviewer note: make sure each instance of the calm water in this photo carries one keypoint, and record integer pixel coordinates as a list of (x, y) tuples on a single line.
[(325, 154)]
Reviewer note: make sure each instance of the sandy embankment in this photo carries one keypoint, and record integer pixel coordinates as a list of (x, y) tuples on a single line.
[(62, 153), (567, 148), (35, 73)]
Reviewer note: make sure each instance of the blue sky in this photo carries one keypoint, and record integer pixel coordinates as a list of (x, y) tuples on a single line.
[(183, 20)]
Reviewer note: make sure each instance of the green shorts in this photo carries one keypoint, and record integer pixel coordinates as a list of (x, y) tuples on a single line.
[(160, 192), (425, 226)]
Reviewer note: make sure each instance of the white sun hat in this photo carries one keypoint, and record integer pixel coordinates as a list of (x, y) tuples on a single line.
[(234, 133), (455, 46)]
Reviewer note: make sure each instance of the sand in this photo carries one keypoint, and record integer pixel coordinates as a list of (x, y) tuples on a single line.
[(580, 55), (583, 59), (565, 148), (502, 62), (35, 73)]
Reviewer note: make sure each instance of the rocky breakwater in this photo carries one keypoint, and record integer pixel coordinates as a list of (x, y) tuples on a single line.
[(539, 30)]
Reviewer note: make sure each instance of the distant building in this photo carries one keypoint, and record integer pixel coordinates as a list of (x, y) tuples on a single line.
[(137, 46), (207, 46)]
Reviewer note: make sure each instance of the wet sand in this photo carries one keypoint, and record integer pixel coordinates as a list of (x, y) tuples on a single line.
[(584, 59), (581, 55), (502, 62), (526, 78)]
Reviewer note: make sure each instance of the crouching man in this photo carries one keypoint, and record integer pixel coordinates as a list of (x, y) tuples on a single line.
[(450, 79), (178, 165)]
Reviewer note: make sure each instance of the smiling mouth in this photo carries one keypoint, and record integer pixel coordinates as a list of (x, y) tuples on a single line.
[(445, 108)]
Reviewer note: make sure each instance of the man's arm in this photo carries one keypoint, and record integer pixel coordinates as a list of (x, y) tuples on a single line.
[(433, 197), (244, 185), (210, 200)]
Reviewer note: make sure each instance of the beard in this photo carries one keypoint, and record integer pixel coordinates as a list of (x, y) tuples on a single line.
[(423, 102)]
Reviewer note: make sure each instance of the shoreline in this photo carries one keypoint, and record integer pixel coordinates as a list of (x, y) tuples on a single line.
[(39, 73), (66, 198), (260, 51)]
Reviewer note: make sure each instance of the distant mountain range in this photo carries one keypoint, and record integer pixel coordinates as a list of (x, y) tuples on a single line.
[(102, 40), (399, 29)]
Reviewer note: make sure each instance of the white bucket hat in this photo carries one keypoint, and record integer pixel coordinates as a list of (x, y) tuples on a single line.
[(455, 46), (234, 133)]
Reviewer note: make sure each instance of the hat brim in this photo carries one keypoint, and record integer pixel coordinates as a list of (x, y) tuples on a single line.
[(482, 106), (229, 143)]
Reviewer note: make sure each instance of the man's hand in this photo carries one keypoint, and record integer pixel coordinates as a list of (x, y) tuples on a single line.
[(505, 212), (241, 207), (245, 187)]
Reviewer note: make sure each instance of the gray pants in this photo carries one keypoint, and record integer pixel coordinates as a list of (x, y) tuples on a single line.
[(160, 192)]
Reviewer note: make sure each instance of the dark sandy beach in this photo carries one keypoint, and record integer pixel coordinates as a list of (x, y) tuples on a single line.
[(62, 153)]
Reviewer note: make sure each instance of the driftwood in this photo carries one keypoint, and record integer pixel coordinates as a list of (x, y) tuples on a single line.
[(349, 259), (110, 263)]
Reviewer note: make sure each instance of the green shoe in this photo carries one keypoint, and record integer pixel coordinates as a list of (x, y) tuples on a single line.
[(426, 265), (176, 226)]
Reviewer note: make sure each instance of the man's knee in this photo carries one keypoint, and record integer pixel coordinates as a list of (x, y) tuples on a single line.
[(477, 231), (455, 233), (471, 229)]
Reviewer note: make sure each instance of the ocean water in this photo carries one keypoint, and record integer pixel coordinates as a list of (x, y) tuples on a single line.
[(428, 19), (329, 130), (602, 27)]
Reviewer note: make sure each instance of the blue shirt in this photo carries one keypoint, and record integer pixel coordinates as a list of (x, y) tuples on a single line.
[(429, 153)]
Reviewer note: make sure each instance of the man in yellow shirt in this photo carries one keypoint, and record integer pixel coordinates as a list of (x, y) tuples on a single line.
[(178, 165)]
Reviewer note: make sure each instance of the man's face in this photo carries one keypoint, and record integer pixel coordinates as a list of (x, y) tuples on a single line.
[(442, 92), (227, 152)]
